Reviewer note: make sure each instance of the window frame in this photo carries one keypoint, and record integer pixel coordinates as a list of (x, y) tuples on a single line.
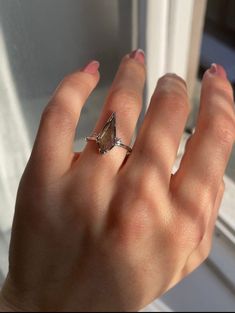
[(164, 54)]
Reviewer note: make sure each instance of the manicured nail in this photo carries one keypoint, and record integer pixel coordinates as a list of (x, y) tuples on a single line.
[(138, 55), (91, 67), (217, 69)]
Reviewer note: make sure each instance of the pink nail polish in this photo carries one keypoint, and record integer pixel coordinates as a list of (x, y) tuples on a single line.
[(138, 55), (91, 68), (218, 70)]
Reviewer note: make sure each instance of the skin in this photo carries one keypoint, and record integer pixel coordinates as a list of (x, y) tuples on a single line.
[(103, 233)]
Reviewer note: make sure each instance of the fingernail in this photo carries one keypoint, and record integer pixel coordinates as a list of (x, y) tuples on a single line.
[(91, 68), (218, 70), (138, 55)]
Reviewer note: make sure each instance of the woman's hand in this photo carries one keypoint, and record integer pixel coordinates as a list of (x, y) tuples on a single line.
[(99, 232)]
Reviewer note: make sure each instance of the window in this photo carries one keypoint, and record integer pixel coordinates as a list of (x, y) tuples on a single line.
[(181, 26), (218, 45)]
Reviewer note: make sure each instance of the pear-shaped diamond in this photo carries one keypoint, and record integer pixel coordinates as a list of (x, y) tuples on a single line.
[(106, 138)]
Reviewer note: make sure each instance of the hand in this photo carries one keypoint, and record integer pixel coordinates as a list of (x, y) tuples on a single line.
[(99, 232)]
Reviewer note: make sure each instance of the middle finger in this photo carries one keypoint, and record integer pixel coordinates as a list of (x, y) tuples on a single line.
[(157, 143)]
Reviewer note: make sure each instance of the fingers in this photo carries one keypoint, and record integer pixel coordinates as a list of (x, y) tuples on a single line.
[(208, 151), (125, 99), (158, 141), (53, 148)]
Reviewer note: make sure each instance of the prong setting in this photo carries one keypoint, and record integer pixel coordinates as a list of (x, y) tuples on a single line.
[(106, 139)]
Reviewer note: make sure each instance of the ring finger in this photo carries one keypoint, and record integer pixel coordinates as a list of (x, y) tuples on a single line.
[(157, 143)]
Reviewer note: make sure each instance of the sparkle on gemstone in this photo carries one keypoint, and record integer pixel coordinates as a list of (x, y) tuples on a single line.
[(106, 138)]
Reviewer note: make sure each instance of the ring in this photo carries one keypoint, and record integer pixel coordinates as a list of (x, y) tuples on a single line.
[(107, 139)]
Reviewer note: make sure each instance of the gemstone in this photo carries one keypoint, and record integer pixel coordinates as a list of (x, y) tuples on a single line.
[(106, 138)]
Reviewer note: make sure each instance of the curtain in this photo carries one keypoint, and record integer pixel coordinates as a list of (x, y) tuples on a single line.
[(14, 151)]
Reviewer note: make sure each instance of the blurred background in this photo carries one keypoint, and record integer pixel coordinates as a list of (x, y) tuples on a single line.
[(42, 41)]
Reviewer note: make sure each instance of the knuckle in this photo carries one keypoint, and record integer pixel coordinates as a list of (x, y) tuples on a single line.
[(190, 233), (222, 89), (223, 130), (191, 223), (173, 94), (74, 83), (58, 116), (129, 99), (178, 104), (197, 231), (227, 89), (185, 234)]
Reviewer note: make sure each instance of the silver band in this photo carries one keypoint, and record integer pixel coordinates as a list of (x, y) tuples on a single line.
[(107, 139), (119, 143)]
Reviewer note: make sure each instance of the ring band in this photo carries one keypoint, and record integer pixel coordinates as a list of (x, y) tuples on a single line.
[(106, 139)]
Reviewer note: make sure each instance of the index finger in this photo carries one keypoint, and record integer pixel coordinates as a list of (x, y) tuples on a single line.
[(53, 147)]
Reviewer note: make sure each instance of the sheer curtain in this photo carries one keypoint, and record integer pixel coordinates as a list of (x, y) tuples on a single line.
[(14, 150), (15, 146)]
